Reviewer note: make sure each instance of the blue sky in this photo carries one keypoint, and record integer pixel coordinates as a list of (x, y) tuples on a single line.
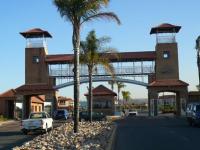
[(137, 17)]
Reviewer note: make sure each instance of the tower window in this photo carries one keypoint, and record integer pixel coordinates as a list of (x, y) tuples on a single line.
[(36, 59), (166, 54)]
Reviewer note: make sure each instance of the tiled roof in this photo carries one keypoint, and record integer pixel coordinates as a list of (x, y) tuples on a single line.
[(64, 98), (9, 93), (38, 99), (123, 57), (35, 33), (34, 88), (102, 90), (167, 82), (165, 28), (60, 58)]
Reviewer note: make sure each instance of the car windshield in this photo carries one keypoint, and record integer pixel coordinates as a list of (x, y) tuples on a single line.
[(60, 112), (37, 115)]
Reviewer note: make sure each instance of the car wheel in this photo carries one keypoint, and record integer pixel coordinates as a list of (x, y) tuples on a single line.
[(25, 132), (52, 127)]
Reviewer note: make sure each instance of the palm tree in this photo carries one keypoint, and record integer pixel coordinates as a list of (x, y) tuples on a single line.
[(112, 82), (93, 54), (120, 85), (198, 58), (78, 12), (126, 95)]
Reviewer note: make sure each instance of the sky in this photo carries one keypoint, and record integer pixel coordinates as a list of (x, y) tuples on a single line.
[(137, 17)]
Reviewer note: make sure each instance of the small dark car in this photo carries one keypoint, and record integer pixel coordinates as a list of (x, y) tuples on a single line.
[(96, 116), (193, 113), (61, 114)]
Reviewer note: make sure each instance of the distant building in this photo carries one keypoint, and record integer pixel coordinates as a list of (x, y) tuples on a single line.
[(103, 100), (8, 101), (167, 100), (65, 103)]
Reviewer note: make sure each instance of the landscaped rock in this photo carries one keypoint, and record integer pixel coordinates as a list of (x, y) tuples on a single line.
[(91, 136)]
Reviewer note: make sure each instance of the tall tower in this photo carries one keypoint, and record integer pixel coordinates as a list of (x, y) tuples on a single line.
[(36, 69), (166, 65)]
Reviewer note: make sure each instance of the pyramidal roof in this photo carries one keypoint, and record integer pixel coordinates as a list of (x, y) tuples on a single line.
[(9, 93), (102, 90)]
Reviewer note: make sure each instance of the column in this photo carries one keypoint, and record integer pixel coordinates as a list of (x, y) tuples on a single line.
[(53, 105), (26, 106), (152, 96), (178, 104)]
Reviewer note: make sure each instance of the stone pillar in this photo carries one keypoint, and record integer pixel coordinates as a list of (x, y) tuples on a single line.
[(183, 101), (23, 108), (149, 104), (152, 95), (155, 107), (178, 104), (53, 105), (26, 107)]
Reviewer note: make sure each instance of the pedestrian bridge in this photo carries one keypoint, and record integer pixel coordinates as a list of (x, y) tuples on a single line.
[(101, 79)]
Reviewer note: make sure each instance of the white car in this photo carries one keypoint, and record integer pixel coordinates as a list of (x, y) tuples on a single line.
[(133, 113), (37, 121)]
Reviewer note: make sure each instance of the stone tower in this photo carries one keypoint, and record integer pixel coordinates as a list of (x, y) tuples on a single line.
[(166, 66), (36, 69)]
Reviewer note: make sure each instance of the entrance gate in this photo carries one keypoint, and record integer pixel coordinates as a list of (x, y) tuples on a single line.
[(157, 70)]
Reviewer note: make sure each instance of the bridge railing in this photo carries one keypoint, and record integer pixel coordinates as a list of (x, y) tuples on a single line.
[(100, 71)]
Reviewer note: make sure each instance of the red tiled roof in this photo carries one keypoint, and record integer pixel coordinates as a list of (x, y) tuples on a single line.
[(165, 28), (9, 93), (38, 99), (64, 98), (61, 58), (36, 33), (123, 57), (102, 90), (167, 82), (34, 88)]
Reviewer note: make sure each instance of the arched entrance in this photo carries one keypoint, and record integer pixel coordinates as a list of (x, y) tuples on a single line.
[(176, 86)]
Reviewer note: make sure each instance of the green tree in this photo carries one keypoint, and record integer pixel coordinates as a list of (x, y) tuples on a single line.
[(120, 85), (93, 53), (77, 12), (126, 95)]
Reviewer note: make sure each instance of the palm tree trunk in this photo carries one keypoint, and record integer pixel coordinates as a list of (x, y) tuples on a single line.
[(118, 94), (198, 64), (112, 86), (76, 43), (90, 94)]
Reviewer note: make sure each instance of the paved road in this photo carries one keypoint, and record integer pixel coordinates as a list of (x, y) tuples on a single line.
[(143, 133), (11, 136)]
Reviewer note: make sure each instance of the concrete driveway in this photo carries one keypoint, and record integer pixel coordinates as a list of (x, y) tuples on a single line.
[(160, 133)]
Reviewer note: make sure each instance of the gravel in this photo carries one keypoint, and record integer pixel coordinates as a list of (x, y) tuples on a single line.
[(91, 136)]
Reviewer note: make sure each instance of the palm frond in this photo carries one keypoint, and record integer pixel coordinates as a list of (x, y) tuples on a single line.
[(102, 15)]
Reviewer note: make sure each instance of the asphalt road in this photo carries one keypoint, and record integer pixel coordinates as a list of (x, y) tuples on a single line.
[(161, 133), (11, 136)]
